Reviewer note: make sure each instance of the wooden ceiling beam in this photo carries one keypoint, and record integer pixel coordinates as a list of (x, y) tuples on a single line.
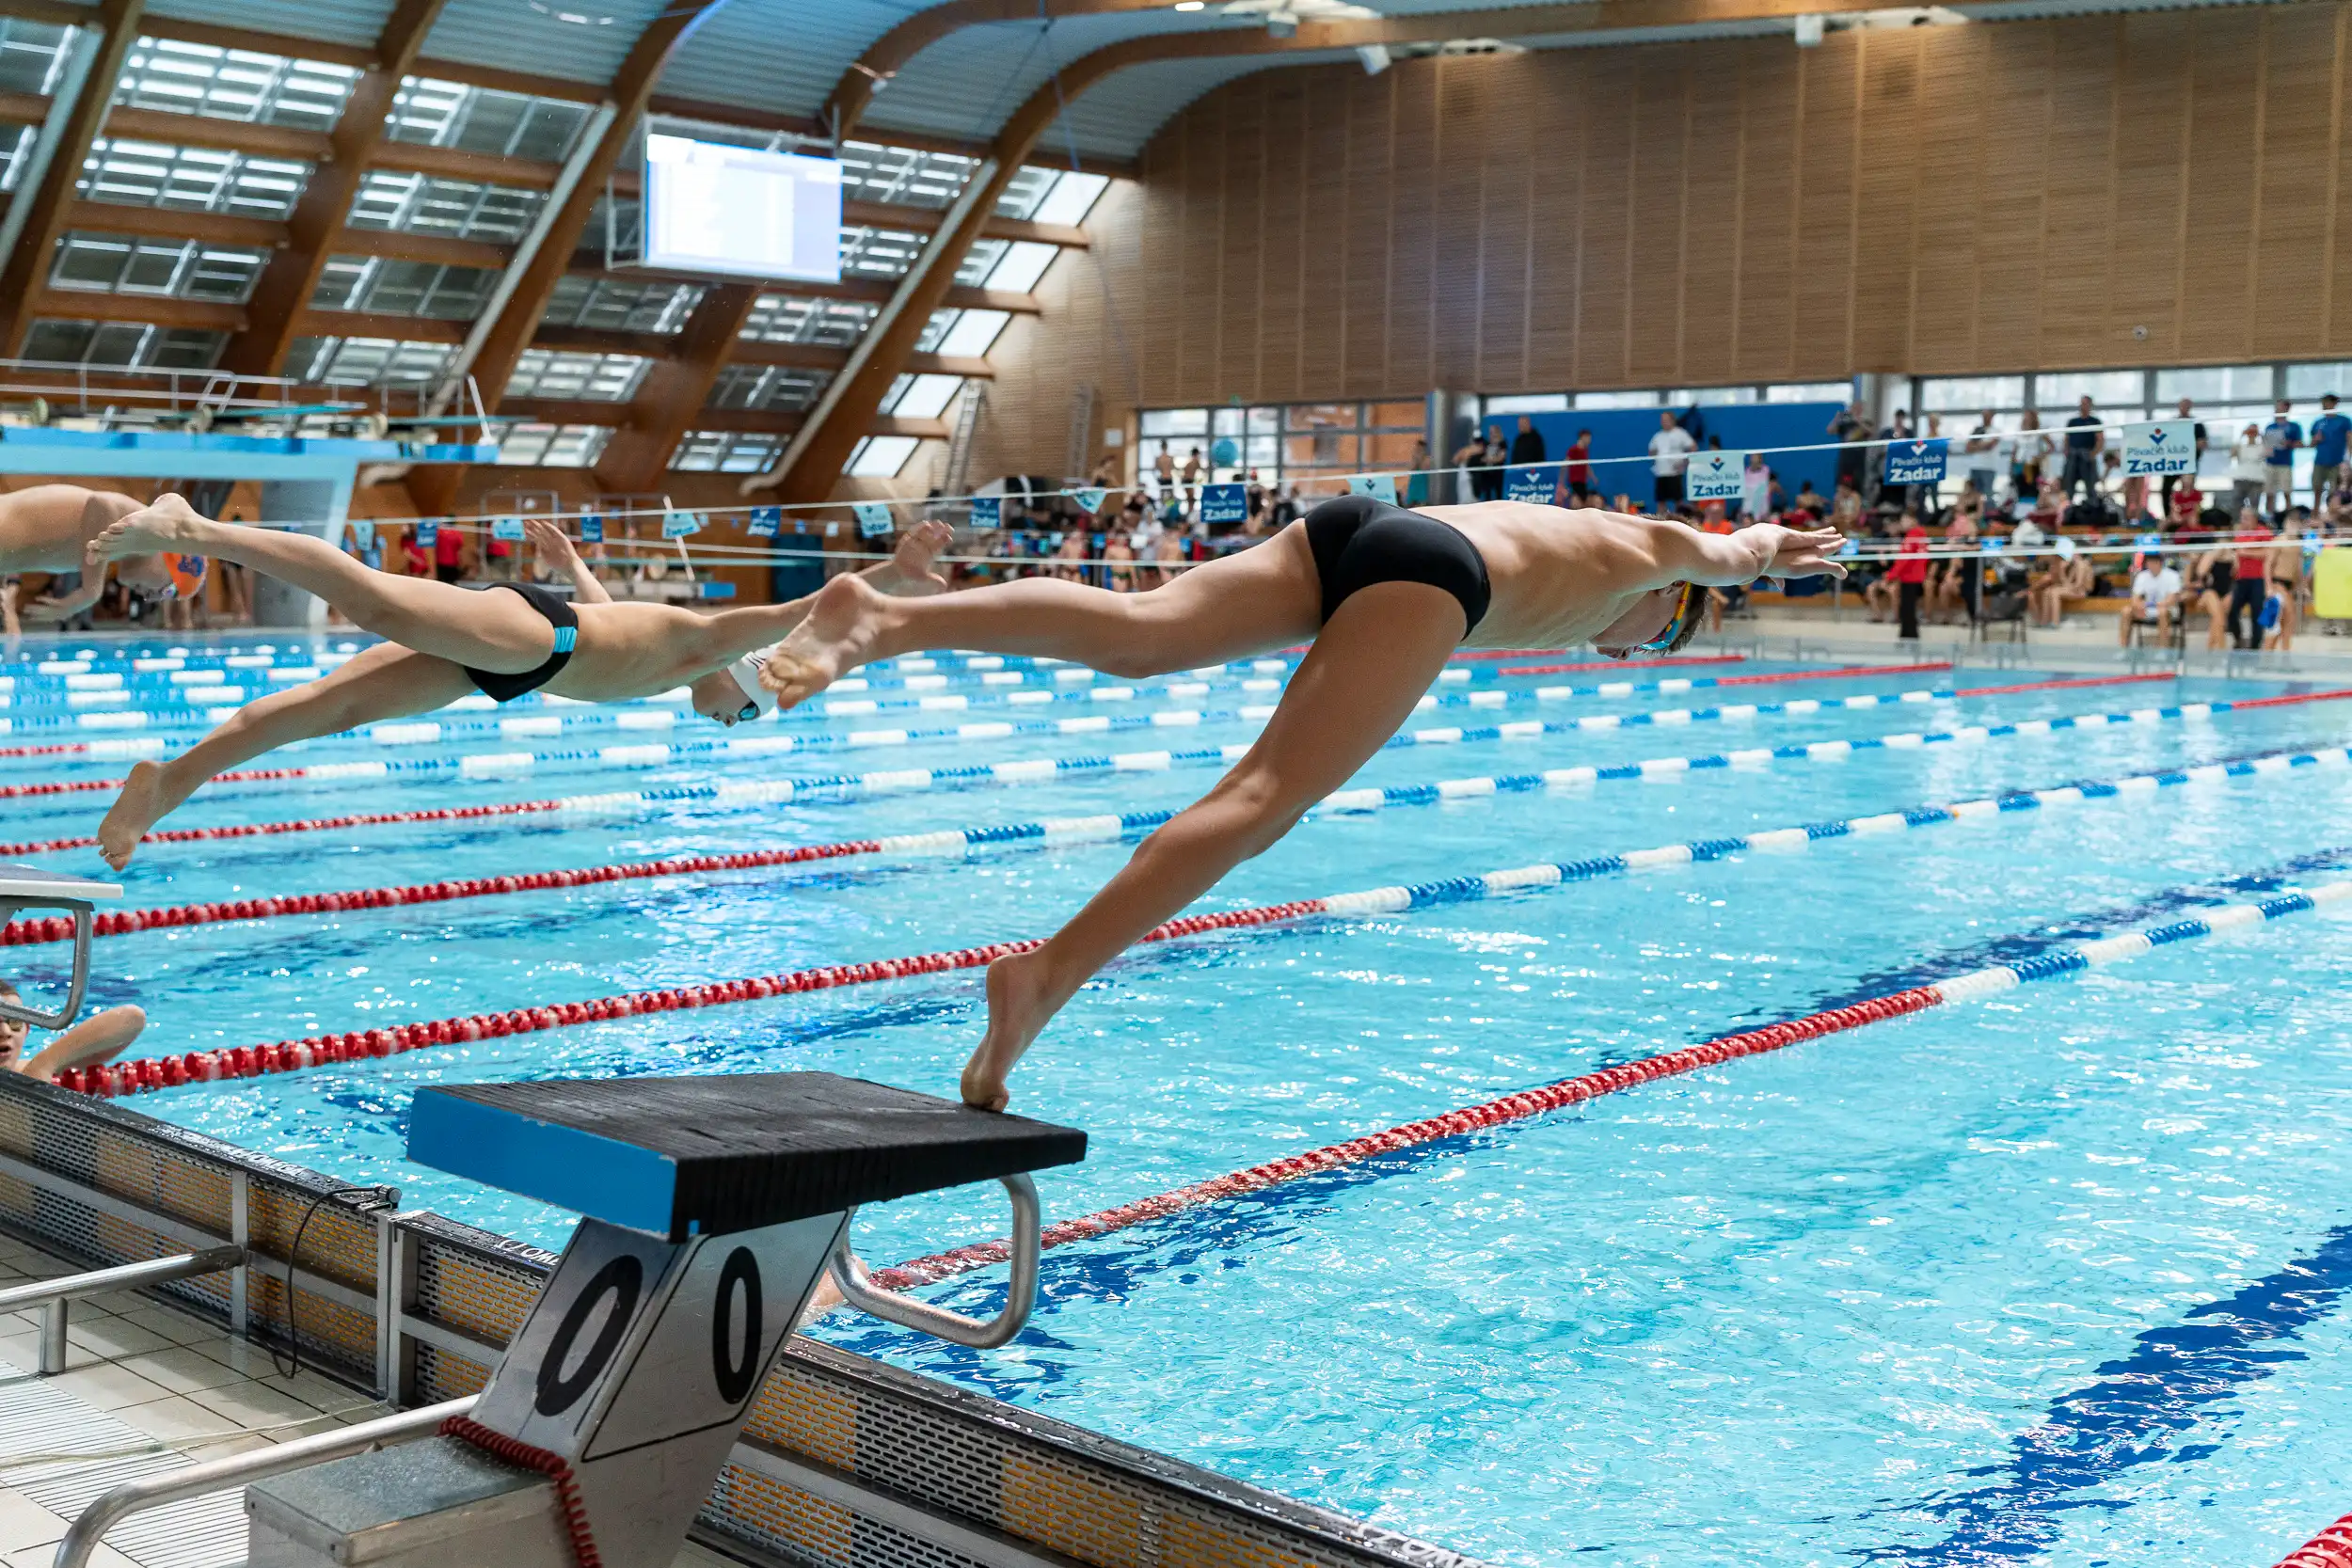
[(201, 315), (675, 390), (170, 222), (25, 269), (168, 129), (512, 332), (292, 276), (452, 163), (379, 324)]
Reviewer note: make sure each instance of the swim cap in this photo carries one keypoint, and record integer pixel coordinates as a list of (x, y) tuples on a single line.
[(186, 575), (758, 702)]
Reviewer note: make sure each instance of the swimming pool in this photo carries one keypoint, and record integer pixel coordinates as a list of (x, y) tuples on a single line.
[(2051, 1275)]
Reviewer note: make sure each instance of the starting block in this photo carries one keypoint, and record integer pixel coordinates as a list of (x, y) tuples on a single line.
[(711, 1206), (26, 887)]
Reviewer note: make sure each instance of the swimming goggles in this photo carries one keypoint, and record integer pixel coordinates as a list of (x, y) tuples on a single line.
[(1692, 599)]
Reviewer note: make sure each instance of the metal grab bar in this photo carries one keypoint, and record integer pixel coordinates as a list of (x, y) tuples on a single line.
[(53, 1295), (219, 1475), (858, 1288)]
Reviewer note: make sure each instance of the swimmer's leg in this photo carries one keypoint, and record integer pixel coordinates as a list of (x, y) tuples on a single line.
[(385, 682), (1261, 598), (493, 631), (1374, 659)]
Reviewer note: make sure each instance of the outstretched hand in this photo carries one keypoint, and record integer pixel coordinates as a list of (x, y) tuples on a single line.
[(1804, 553), (916, 558), (556, 550)]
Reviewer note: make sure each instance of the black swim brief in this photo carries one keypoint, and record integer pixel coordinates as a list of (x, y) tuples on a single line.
[(506, 689), (1359, 541)]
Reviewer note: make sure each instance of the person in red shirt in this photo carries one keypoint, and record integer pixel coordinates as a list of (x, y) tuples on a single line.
[(414, 561), (1909, 577), (2249, 583), (449, 554), (1577, 472), (2188, 500)]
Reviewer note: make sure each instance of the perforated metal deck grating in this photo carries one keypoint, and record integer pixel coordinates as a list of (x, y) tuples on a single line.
[(845, 1463)]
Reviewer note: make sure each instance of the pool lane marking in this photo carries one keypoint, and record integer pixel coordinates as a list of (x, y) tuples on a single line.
[(430, 731), (848, 788), (477, 765), (293, 1054), (1971, 986), (2330, 1548)]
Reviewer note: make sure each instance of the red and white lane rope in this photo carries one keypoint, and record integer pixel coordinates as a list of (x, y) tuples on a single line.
[(1968, 986), (1077, 830), (2330, 1548), (135, 1077)]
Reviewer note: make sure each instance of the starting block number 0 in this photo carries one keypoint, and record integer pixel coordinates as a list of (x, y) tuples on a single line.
[(656, 1341)]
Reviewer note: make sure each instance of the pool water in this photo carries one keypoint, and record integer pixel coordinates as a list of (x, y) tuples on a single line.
[(2056, 1276)]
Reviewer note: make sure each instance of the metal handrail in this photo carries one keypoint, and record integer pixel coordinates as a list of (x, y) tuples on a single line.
[(858, 1288), (219, 1475), (53, 1295)]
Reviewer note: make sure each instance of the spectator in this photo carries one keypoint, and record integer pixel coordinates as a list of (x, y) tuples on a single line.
[(1982, 448), (2183, 502), (1810, 502), (1670, 456), (2248, 469), (2028, 450), (2215, 577), (2156, 599), (414, 561), (2086, 438), (2250, 573), (1118, 570), (2182, 411), (1956, 588), (1164, 471), (1466, 459), (1756, 489), (1848, 426), (2279, 439), (1192, 479), (2028, 534), (1577, 473), (1492, 458), (1909, 577), (1528, 445), (2330, 432), (1415, 482), (448, 553)]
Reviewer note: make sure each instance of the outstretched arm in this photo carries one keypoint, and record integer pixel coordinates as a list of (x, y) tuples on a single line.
[(1682, 554), (93, 588), (558, 553), (9, 626), (96, 1039)]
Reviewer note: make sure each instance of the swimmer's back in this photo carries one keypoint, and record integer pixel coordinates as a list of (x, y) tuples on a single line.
[(44, 527)]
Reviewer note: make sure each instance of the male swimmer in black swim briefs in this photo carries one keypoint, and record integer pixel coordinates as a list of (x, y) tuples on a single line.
[(1384, 594), (443, 642)]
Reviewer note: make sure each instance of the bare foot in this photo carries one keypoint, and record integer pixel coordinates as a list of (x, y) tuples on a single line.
[(135, 810), (171, 524), (1018, 1008), (914, 560), (836, 638)]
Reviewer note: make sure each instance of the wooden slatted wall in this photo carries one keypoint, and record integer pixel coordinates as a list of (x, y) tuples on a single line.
[(1945, 201)]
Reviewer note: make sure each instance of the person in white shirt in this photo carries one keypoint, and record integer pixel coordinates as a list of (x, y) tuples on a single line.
[(2028, 535), (1756, 489), (1670, 454), (2156, 599), (1983, 447), (2249, 469)]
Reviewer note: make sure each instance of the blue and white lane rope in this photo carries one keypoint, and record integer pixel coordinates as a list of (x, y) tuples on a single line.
[(2332, 1548), (854, 786), (659, 753)]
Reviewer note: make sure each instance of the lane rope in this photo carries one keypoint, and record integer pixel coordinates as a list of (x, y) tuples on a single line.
[(132, 747), (663, 753), (2330, 1548), (238, 1062), (848, 788), (1096, 829), (1971, 985)]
